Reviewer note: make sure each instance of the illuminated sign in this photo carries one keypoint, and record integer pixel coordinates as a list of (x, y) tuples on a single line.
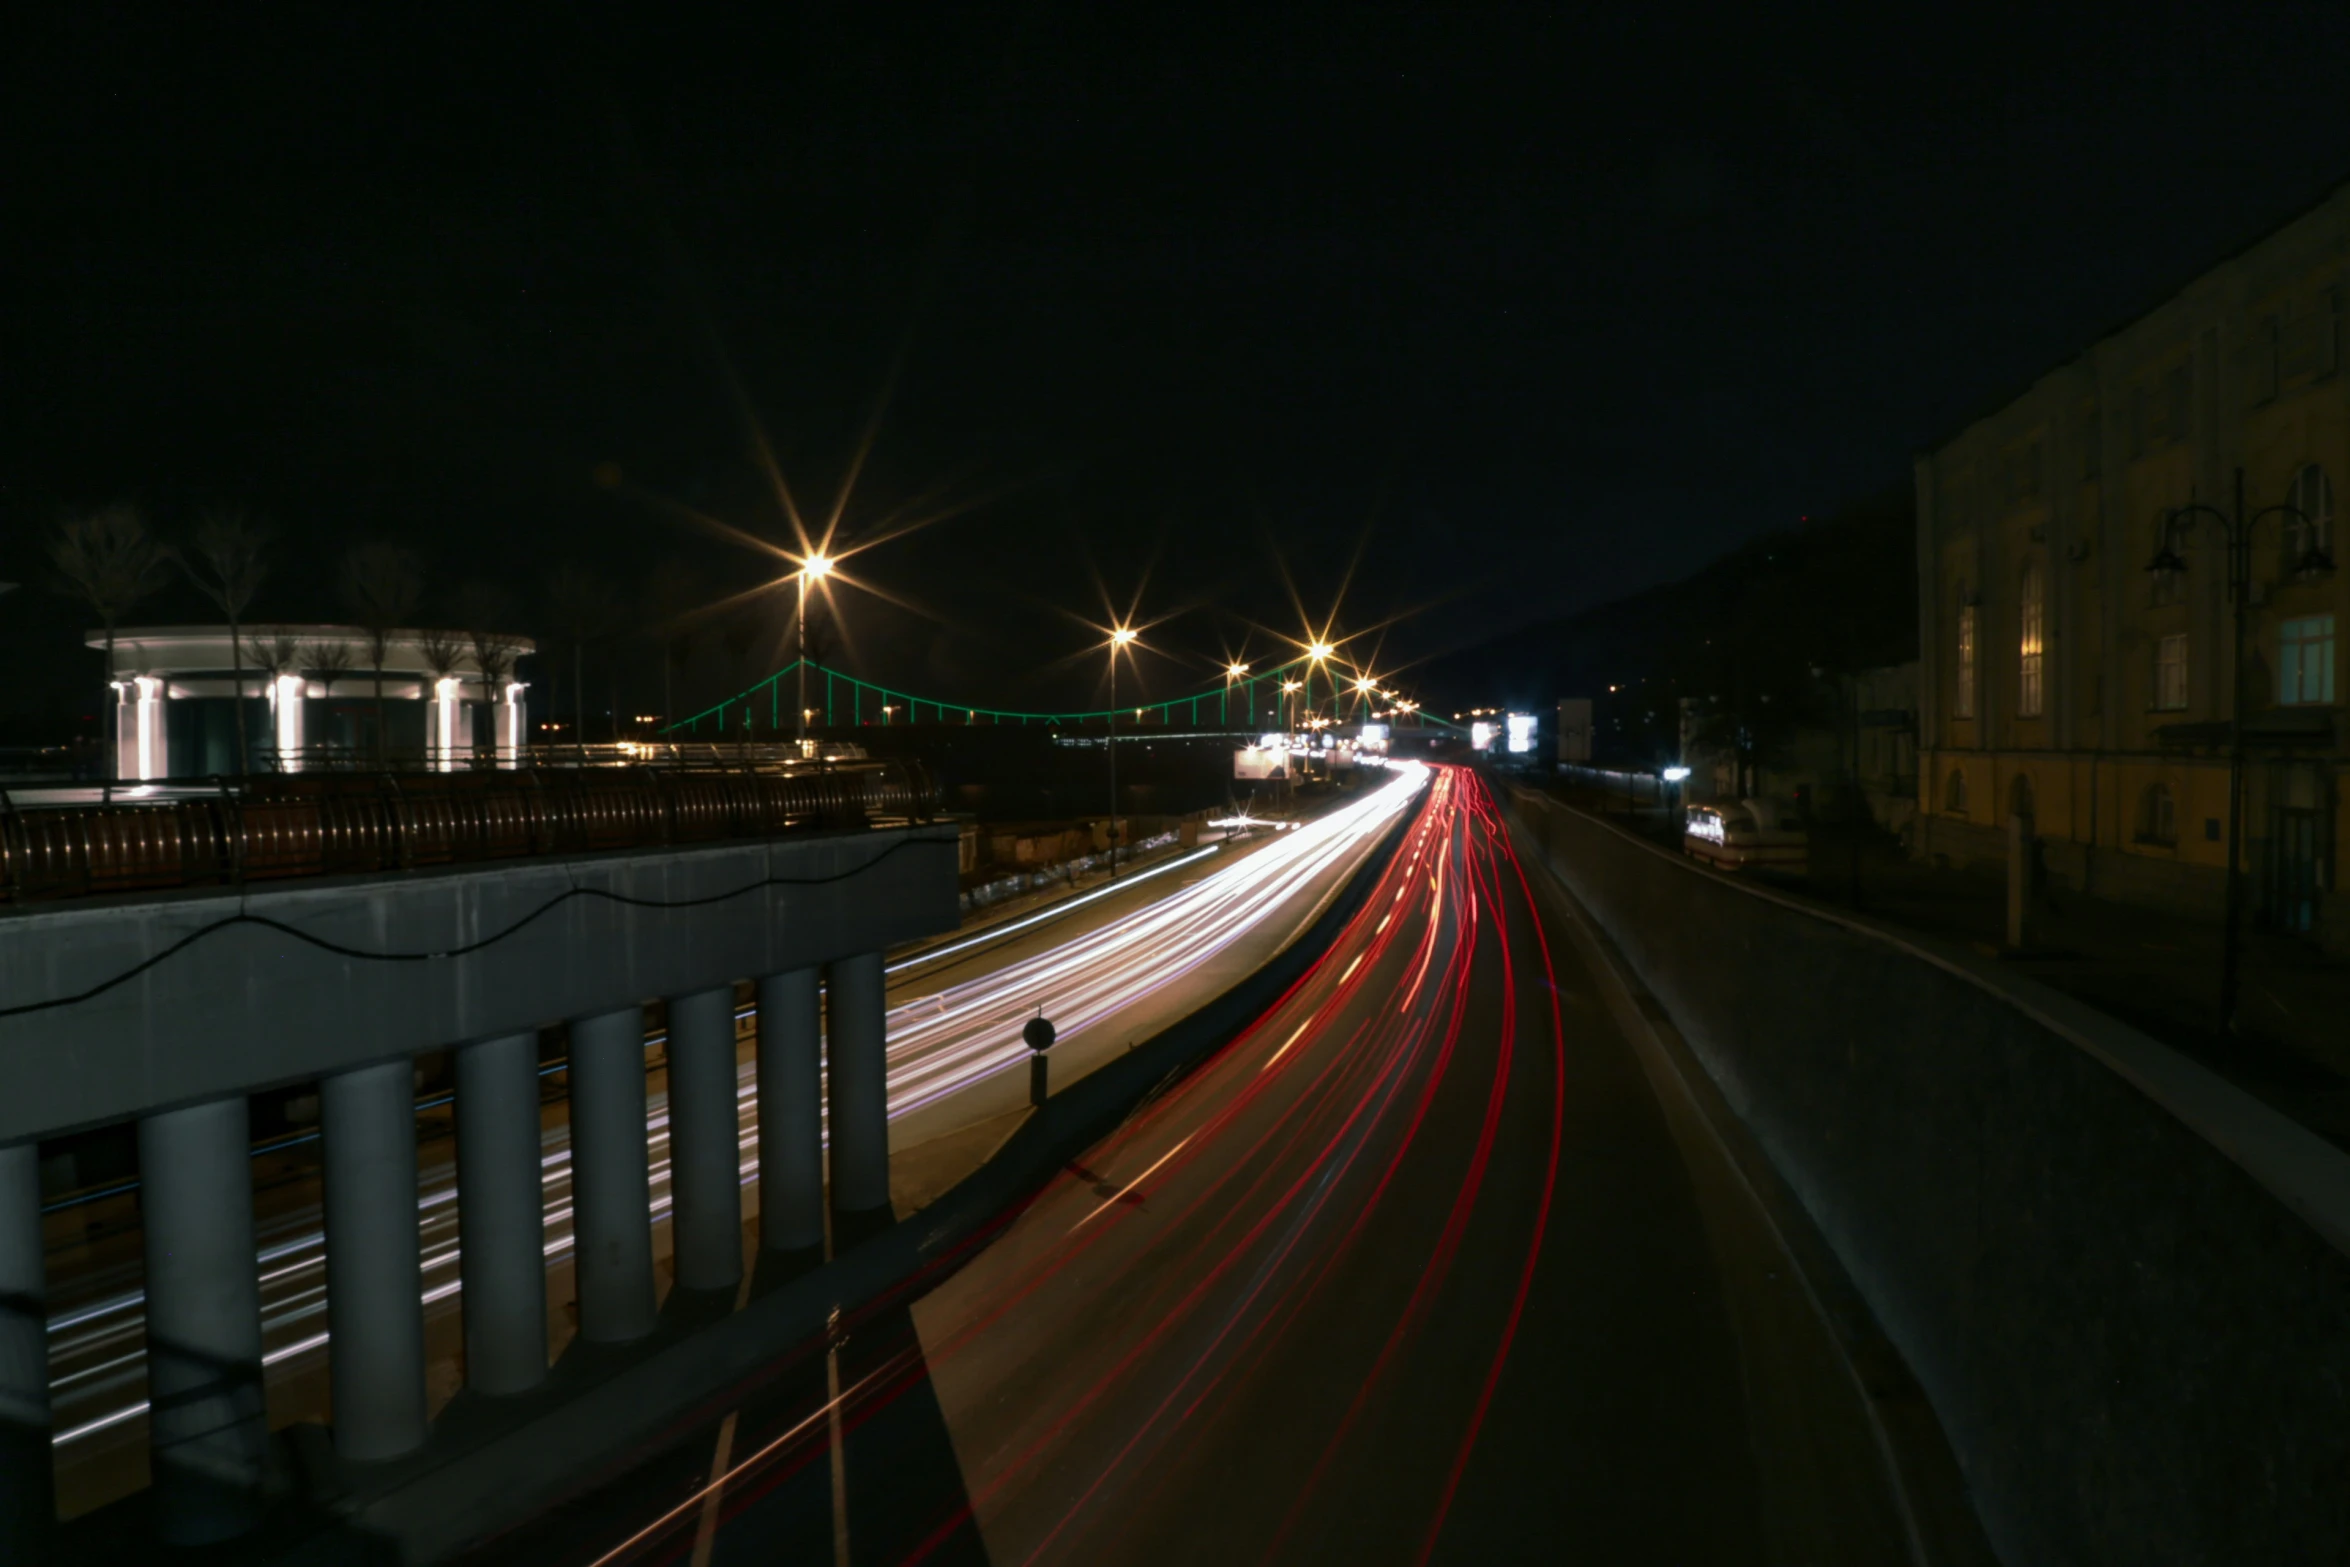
[(1521, 733), (1707, 825), (1481, 736)]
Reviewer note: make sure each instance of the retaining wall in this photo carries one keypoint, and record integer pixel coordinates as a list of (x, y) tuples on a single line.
[(2121, 1281)]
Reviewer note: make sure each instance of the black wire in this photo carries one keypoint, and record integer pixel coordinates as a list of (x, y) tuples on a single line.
[(339, 950)]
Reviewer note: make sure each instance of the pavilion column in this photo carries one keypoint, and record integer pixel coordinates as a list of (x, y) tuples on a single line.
[(705, 1141), (207, 1424), (374, 1277), (501, 1215), (611, 1185), (857, 1079), (791, 1146), (27, 1494)]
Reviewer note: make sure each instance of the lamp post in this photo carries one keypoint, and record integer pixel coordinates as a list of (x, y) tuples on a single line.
[(2236, 530), (1119, 638), (1235, 672), (818, 567), (1319, 653)]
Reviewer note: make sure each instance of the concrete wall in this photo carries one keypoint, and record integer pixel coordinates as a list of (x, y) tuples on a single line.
[(247, 1002), (2138, 1343)]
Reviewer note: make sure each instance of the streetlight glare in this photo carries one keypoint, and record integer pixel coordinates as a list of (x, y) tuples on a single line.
[(1121, 636), (1236, 670), (818, 566), (1320, 651)]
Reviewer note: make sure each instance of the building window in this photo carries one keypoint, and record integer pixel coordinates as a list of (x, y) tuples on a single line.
[(2170, 673), (2309, 527), (2030, 615), (2305, 661), (1954, 793), (1965, 706), (2174, 535), (2158, 815)]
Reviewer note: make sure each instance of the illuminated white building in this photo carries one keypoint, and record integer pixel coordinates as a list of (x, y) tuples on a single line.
[(310, 699)]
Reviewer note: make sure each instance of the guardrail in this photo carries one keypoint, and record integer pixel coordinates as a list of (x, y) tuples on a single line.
[(290, 825)]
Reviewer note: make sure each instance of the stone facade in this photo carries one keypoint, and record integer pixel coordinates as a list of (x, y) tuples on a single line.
[(2061, 676)]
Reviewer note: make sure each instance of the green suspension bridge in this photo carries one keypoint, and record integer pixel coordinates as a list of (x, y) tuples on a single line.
[(847, 700)]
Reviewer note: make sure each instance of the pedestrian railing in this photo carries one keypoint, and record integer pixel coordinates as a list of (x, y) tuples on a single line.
[(275, 826)]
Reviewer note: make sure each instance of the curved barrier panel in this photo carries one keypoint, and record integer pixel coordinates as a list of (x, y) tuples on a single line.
[(2113, 1273)]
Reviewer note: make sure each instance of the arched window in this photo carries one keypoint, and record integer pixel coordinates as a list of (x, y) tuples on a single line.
[(2031, 617), (2158, 815), (2310, 534), (1954, 793), (2019, 796)]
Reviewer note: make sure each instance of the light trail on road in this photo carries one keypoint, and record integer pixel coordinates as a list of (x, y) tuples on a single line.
[(1300, 1251), (940, 1045)]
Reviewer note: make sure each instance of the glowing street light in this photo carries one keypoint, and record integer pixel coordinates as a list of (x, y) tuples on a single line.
[(1120, 637), (816, 567)]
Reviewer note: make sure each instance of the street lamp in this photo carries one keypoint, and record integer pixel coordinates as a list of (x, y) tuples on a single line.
[(2236, 531), (819, 567), (1120, 638), (1233, 672)]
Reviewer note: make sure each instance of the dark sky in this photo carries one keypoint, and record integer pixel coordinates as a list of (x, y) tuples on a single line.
[(1530, 307)]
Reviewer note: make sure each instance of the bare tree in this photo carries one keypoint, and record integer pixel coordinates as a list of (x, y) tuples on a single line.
[(485, 612), (274, 652), (381, 583), (226, 566), (108, 560), (585, 609), (327, 660), (442, 652)]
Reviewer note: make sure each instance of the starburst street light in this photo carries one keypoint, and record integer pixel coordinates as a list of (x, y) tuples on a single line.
[(815, 567), (1121, 637)]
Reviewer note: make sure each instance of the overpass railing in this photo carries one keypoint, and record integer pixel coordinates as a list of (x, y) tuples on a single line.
[(291, 825)]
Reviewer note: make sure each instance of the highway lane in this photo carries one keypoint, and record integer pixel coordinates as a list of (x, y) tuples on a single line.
[(1411, 1271), (955, 1059)]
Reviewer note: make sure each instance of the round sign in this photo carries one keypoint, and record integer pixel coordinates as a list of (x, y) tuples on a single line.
[(1038, 1032)]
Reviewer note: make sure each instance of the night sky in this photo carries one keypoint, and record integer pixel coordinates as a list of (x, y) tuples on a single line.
[(1523, 308)]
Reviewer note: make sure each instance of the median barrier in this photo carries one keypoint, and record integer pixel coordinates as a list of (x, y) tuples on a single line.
[(593, 1425), (2121, 1281)]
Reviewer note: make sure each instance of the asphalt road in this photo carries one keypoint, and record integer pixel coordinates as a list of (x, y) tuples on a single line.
[(1412, 1271), (1117, 968)]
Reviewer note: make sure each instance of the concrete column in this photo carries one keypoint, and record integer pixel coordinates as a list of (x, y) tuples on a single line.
[(791, 1127), (501, 1215), (705, 1150), (857, 1081), (375, 1320), (611, 1190), (27, 1495), (207, 1424)]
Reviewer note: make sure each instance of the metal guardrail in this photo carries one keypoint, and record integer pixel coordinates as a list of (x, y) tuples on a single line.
[(275, 827)]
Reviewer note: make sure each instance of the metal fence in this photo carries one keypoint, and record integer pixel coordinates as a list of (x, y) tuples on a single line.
[(288, 825)]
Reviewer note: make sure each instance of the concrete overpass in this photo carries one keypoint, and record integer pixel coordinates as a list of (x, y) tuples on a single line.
[(235, 974)]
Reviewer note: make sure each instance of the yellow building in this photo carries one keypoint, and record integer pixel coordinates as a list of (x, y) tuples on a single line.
[(2063, 678)]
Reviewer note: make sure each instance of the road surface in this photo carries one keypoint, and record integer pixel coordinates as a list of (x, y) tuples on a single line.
[(1116, 971), (1411, 1271)]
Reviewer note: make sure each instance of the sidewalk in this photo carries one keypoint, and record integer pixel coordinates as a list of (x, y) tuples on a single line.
[(2157, 972)]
